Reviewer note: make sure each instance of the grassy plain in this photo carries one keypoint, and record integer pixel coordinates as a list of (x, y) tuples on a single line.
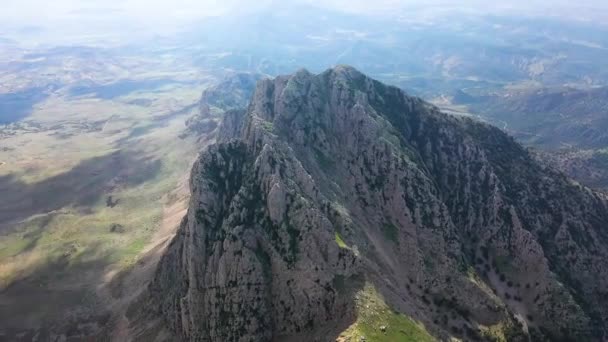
[(85, 183)]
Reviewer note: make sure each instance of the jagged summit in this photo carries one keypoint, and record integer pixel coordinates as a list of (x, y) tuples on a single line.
[(339, 207), (301, 98), (346, 71)]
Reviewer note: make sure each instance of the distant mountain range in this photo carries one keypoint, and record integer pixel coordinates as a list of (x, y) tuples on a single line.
[(568, 126), (550, 118), (590, 167)]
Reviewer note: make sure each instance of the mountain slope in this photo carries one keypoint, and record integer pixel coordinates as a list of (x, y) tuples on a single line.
[(344, 208), (568, 125), (231, 94), (590, 167), (551, 118)]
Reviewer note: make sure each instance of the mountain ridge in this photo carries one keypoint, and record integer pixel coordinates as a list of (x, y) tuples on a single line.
[(336, 184)]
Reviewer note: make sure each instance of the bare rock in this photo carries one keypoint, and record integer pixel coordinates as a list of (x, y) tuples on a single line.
[(438, 213)]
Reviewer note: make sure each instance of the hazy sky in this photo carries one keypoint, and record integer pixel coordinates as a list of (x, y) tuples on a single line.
[(32, 11), (91, 17)]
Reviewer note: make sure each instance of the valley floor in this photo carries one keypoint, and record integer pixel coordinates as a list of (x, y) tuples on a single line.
[(91, 188)]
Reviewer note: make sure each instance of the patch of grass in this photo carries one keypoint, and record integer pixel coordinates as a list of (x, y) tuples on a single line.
[(14, 244), (135, 246), (373, 315), (268, 126), (495, 332), (340, 242)]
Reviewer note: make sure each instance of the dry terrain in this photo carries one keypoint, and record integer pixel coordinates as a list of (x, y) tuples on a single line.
[(92, 187)]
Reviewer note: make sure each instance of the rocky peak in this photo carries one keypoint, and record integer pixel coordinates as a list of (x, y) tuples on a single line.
[(336, 203)]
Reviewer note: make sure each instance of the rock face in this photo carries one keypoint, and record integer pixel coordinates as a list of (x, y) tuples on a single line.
[(232, 93), (332, 183)]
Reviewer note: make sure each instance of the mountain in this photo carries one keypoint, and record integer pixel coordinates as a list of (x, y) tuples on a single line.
[(590, 167), (231, 94), (429, 52), (339, 208), (550, 118), (567, 126)]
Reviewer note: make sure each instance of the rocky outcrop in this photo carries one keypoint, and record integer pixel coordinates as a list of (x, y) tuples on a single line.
[(332, 183), (232, 93), (230, 126)]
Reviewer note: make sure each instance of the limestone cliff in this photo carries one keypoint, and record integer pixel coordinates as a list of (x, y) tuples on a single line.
[(336, 207)]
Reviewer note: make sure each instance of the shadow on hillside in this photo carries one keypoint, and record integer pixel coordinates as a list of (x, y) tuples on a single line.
[(19, 105), (81, 187), (58, 296)]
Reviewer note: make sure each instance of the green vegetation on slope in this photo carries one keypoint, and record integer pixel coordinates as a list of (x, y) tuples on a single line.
[(339, 241), (376, 322)]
